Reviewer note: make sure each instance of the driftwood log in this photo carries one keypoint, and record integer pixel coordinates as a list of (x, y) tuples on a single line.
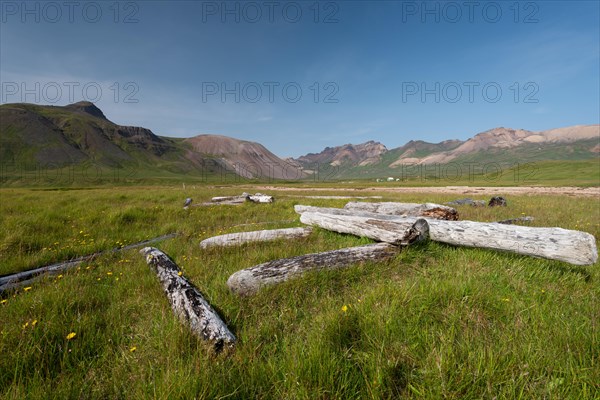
[(24, 278), (467, 201), (429, 210), (234, 239), (574, 247), (515, 220), (249, 281), (188, 303), (241, 199)]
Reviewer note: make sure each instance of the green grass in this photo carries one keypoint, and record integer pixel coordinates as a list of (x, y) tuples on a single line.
[(435, 322)]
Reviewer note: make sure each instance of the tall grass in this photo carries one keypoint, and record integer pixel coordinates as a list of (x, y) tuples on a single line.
[(434, 322)]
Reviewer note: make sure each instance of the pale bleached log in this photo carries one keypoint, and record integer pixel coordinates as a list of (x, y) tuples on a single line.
[(187, 301), (244, 197), (234, 239), (261, 198), (429, 210), (249, 281), (231, 199), (574, 247)]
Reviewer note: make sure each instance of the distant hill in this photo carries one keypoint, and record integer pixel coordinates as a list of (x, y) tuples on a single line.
[(499, 145), (34, 137), (53, 137), (247, 159)]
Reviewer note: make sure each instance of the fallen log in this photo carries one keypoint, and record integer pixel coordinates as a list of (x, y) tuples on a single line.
[(574, 247), (382, 228), (249, 281), (23, 278), (188, 303), (515, 220), (244, 197), (430, 210), (260, 198), (234, 239), (467, 201)]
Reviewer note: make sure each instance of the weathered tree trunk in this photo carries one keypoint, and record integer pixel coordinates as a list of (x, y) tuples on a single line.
[(229, 199), (234, 239), (429, 210), (574, 247), (249, 281), (261, 198), (23, 278), (244, 197), (515, 220), (187, 302)]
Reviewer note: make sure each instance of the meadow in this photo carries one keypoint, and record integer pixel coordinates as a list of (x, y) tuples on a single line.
[(434, 322)]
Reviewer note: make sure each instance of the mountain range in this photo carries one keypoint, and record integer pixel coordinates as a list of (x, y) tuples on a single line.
[(80, 134)]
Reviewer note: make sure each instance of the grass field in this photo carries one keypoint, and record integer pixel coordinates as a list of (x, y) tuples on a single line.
[(434, 322)]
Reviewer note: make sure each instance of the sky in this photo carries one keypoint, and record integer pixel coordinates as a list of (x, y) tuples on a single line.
[(298, 76)]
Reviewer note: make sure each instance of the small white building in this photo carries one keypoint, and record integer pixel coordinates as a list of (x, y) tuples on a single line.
[(390, 179)]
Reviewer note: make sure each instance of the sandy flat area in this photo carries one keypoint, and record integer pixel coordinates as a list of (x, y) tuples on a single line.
[(458, 190)]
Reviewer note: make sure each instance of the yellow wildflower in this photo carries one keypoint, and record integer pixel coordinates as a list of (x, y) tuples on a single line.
[(344, 308), (132, 349), (71, 335), (34, 322), (109, 273), (60, 276), (27, 288), (179, 273), (26, 324), (3, 301)]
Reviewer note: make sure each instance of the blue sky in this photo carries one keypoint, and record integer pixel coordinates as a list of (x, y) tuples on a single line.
[(300, 76)]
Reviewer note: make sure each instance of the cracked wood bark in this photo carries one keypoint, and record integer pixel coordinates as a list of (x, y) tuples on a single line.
[(24, 278), (574, 247), (249, 281), (234, 239), (430, 210), (188, 303)]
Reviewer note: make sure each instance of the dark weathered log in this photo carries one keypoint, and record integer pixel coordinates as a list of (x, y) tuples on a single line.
[(497, 201), (234, 239), (467, 201), (515, 220), (430, 210), (249, 281), (574, 247), (23, 278), (187, 301)]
